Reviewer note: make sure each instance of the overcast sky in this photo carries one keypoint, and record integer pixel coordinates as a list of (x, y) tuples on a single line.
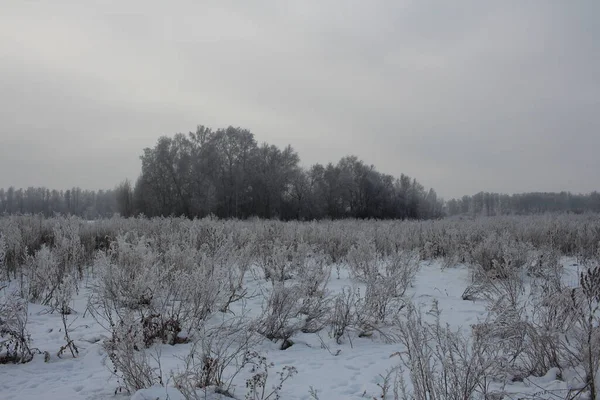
[(463, 95)]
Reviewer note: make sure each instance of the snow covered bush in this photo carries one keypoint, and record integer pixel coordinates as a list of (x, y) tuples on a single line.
[(215, 359), (235, 273), (545, 265), (280, 317), (67, 247), (542, 325), (280, 260), (506, 330), (15, 342), (400, 269), (363, 260), (47, 281), (380, 301), (498, 255), (334, 241), (316, 302), (127, 353), (38, 271), (586, 327), (13, 247), (498, 268), (384, 237), (3, 250), (386, 277), (169, 293), (256, 385), (443, 364), (347, 306), (552, 327), (126, 273)]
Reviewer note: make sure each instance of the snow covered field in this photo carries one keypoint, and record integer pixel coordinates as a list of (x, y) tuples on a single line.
[(363, 359)]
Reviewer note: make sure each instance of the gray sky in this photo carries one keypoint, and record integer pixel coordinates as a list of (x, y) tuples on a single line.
[(465, 96)]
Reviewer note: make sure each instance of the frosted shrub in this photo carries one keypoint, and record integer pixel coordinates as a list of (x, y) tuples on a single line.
[(190, 291), (196, 294), (498, 255), (545, 264), (508, 290), (585, 330), (98, 236), (335, 242), (506, 330), (234, 281), (271, 258), (48, 282), (68, 250), (210, 235), (127, 277), (39, 271), (166, 298), (223, 267), (380, 301), (560, 331), (363, 260), (280, 261), (443, 240), (3, 250), (256, 385), (588, 241), (443, 364), (127, 273), (215, 359), (316, 302), (498, 268), (400, 270), (530, 332), (314, 274), (128, 356), (386, 278), (14, 248), (384, 237), (15, 343), (431, 251), (66, 289), (279, 320), (542, 350), (506, 327), (348, 311)]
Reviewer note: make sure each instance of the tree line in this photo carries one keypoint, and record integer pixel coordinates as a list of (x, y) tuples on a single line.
[(226, 173), (87, 204), (491, 204)]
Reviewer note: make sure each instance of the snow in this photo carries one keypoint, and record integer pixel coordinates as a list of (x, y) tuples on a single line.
[(351, 370), (158, 392)]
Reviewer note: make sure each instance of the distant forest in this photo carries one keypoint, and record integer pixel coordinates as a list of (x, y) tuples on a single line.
[(490, 204), (226, 173)]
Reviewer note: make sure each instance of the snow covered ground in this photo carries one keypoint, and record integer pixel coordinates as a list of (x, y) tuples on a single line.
[(351, 370)]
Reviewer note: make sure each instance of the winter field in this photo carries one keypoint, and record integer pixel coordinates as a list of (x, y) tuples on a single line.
[(490, 308)]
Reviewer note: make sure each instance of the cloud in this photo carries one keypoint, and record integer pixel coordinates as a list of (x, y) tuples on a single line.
[(496, 96)]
